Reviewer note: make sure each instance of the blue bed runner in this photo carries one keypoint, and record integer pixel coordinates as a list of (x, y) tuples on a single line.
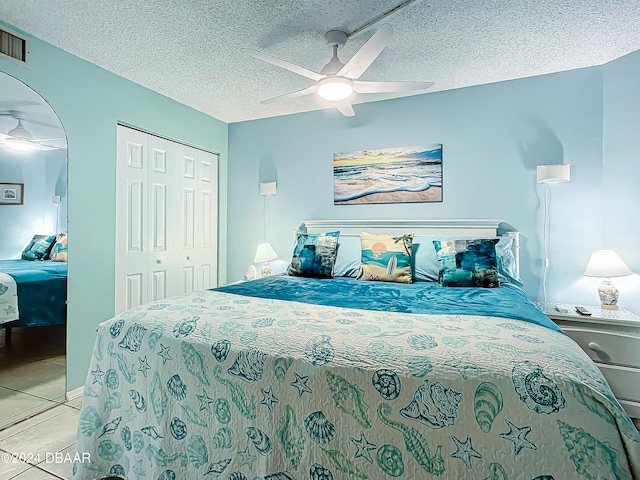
[(42, 291), (420, 297)]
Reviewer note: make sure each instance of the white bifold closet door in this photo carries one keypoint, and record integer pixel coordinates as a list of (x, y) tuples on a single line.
[(166, 219)]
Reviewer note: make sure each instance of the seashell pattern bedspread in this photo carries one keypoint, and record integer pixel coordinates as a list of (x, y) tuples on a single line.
[(221, 386)]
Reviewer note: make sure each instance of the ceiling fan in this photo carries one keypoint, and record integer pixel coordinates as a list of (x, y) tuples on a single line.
[(337, 81), (19, 138)]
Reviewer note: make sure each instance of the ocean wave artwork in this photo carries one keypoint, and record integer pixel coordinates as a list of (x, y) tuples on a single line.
[(389, 175)]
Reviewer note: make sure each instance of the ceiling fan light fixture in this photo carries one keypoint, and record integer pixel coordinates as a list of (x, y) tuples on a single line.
[(335, 89), (20, 144), (20, 132)]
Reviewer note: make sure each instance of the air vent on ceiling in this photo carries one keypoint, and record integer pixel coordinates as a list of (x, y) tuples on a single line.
[(13, 46)]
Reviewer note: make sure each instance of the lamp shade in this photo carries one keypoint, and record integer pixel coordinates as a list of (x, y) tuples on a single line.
[(553, 173), (265, 253), (606, 263)]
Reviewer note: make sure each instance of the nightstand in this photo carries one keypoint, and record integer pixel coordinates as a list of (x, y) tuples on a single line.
[(612, 339)]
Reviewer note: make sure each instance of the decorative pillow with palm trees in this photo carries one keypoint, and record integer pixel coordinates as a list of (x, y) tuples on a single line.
[(385, 258)]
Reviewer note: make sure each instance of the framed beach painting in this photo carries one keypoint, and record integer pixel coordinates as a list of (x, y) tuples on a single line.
[(388, 175)]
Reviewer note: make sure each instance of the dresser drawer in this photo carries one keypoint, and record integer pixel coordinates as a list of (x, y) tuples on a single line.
[(607, 347), (624, 381)]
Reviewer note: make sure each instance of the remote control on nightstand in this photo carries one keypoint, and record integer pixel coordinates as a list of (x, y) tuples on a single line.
[(583, 311), (561, 309)]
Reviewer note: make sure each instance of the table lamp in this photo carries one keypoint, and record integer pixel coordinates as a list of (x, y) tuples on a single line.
[(264, 254), (607, 264)]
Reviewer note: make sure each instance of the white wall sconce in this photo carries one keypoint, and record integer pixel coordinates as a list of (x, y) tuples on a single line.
[(267, 188), (265, 252), (554, 173), (547, 174)]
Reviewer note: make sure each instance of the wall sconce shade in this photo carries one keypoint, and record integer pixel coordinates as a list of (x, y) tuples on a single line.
[(267, 188), (553, 173), (607, 263)]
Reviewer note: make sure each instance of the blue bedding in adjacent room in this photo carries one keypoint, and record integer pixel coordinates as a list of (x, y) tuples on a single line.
[(420, 297), (42, 292)]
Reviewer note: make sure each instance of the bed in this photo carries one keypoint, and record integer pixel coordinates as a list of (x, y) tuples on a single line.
[(32, 293), (289, 377)]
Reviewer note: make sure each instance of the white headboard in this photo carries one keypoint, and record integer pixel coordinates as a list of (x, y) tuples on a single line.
[(476, 228)]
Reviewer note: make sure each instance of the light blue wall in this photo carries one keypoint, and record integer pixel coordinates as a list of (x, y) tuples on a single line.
[(493, 138), (40, 172), (621, 170), (90, 101)]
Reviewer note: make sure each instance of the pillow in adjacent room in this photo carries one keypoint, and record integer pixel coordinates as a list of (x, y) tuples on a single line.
[(314, 255), (385, 258), (467, 263), (39, 247), (59, 249)]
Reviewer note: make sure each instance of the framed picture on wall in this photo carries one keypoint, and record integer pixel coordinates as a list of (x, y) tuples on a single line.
[(11, 193), (388, 175)]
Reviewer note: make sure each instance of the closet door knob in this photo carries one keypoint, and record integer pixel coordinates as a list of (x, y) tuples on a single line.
[(188, 257), (594, 346), (158, 260)]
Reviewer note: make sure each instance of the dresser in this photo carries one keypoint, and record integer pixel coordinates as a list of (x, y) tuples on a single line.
[(612, 339)]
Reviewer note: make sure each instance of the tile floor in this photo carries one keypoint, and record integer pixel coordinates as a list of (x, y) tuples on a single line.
[(40, 438), (32, 372), (34, 417)]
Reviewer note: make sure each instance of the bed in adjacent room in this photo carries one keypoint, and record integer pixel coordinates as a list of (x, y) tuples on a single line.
[(33, 290), (380, 372)]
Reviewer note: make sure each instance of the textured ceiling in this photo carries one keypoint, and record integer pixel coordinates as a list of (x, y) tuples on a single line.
[(189, 50)]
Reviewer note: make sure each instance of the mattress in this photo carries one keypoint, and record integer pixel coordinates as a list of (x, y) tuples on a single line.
[(218, 384)]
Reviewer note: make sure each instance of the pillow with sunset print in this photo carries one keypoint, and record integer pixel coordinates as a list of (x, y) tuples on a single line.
[(385, 258), (59, 250)]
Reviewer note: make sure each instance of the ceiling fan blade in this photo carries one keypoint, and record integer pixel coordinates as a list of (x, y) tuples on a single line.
[(45, 147), (36, 145), (298, 93), (363, 86), (364, 57), (54, 139), (345, 108), (284, 64)]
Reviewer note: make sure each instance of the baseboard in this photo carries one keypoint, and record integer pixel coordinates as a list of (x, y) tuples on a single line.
[(73, 394)]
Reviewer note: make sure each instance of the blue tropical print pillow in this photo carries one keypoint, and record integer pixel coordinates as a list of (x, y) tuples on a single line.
[(385, 258), (314, 255), (39, 247), (467, 263)]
